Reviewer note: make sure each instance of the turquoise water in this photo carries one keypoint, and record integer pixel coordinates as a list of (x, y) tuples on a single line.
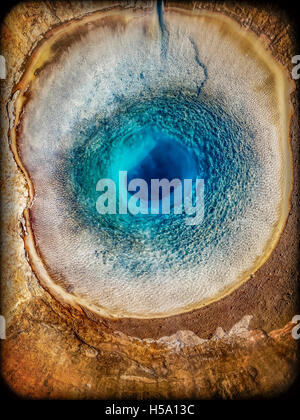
[(175, 135)]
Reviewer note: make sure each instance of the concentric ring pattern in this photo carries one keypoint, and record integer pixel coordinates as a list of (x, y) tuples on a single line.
[(192, 96)]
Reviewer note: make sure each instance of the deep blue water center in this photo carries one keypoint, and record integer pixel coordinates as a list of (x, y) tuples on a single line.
[(164, 158), (168, 136)]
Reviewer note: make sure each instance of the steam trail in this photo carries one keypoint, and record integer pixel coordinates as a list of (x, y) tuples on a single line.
[(162, 26), (164, 33)]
